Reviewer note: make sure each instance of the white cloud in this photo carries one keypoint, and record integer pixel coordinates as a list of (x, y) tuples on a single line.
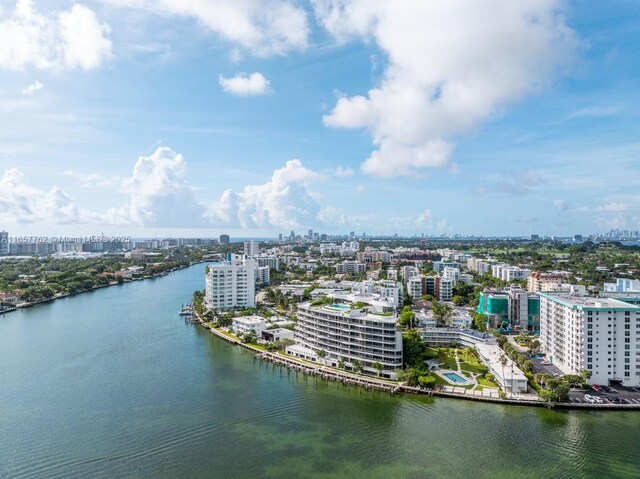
[(343, 172), (93, 180), (284, 201), (560, 204), (23, 203), (267, 27), (31, 89), (245, 85), (74, 38), (612, 207), (159, 194), (425, 218), (451, 65)]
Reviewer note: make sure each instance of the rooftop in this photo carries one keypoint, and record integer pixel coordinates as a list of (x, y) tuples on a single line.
[(588, 302)]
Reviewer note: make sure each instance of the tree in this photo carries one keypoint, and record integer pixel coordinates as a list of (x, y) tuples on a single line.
[(407, 318), (250, 338), (413, 348), (407, 300), (427, 381), (442, 313), (503, 362), (341, 363), (458, 300), (321, 353), (378, 367), (356, 366)]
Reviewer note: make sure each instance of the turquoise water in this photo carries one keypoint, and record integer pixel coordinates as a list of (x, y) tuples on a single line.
[(340, 306), (455, 378), (114, 384)]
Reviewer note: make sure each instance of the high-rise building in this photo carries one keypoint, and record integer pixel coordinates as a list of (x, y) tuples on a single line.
[(231, 284), (601, 335), (310, 234), (251, 248), (280, 237), (224, 239), (4, 243)]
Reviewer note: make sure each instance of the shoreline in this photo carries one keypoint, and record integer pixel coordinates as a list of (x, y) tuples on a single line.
[(370, 383), (94, 288)]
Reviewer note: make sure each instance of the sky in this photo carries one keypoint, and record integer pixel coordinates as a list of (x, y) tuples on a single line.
[(255, 117)]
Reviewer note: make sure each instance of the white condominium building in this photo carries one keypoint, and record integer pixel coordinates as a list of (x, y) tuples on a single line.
[(231, 284), (349, 334), (598, 334), (251, 248), (351, 267), (451, 273), (623, 285), (446, 289)]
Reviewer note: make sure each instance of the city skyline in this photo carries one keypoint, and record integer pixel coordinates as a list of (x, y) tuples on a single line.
[(156, 118)]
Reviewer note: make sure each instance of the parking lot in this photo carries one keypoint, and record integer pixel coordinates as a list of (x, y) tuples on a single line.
[(540, 365), (621, 395)]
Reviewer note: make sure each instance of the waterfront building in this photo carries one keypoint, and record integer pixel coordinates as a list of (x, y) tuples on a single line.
[(508, 376), (4, 243), (231, 284), (247, 324), (367, 334), (601, 335)]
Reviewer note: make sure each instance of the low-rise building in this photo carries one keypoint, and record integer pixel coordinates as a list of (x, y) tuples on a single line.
[(508, 375), (246, 324)]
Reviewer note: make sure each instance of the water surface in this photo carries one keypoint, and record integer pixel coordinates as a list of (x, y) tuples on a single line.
[(114, 384)]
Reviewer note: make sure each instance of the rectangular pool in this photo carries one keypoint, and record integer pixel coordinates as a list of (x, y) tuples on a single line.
[(456, 378)]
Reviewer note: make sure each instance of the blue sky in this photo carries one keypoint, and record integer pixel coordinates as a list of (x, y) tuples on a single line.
[(150, 117)]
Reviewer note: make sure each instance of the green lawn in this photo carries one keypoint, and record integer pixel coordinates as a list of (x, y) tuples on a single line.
[(484, 382)]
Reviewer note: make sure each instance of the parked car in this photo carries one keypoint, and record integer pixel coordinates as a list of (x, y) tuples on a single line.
[(598, 399), (590, 399), (596, 387)]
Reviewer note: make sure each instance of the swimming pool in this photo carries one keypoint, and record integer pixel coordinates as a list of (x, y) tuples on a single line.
[(339, 306), (455, 378)]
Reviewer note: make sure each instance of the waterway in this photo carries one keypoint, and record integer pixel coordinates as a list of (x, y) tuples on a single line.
[(113, 383)]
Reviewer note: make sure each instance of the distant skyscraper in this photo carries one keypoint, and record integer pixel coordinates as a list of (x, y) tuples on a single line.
[(224, 239), (280, 237), (4, 242), (310, 234), (535, 237), (292, 235)]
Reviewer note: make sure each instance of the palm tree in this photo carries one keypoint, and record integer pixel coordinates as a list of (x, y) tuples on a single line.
[(356, 366), (503, 362), (321, 353), (378, 367)]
